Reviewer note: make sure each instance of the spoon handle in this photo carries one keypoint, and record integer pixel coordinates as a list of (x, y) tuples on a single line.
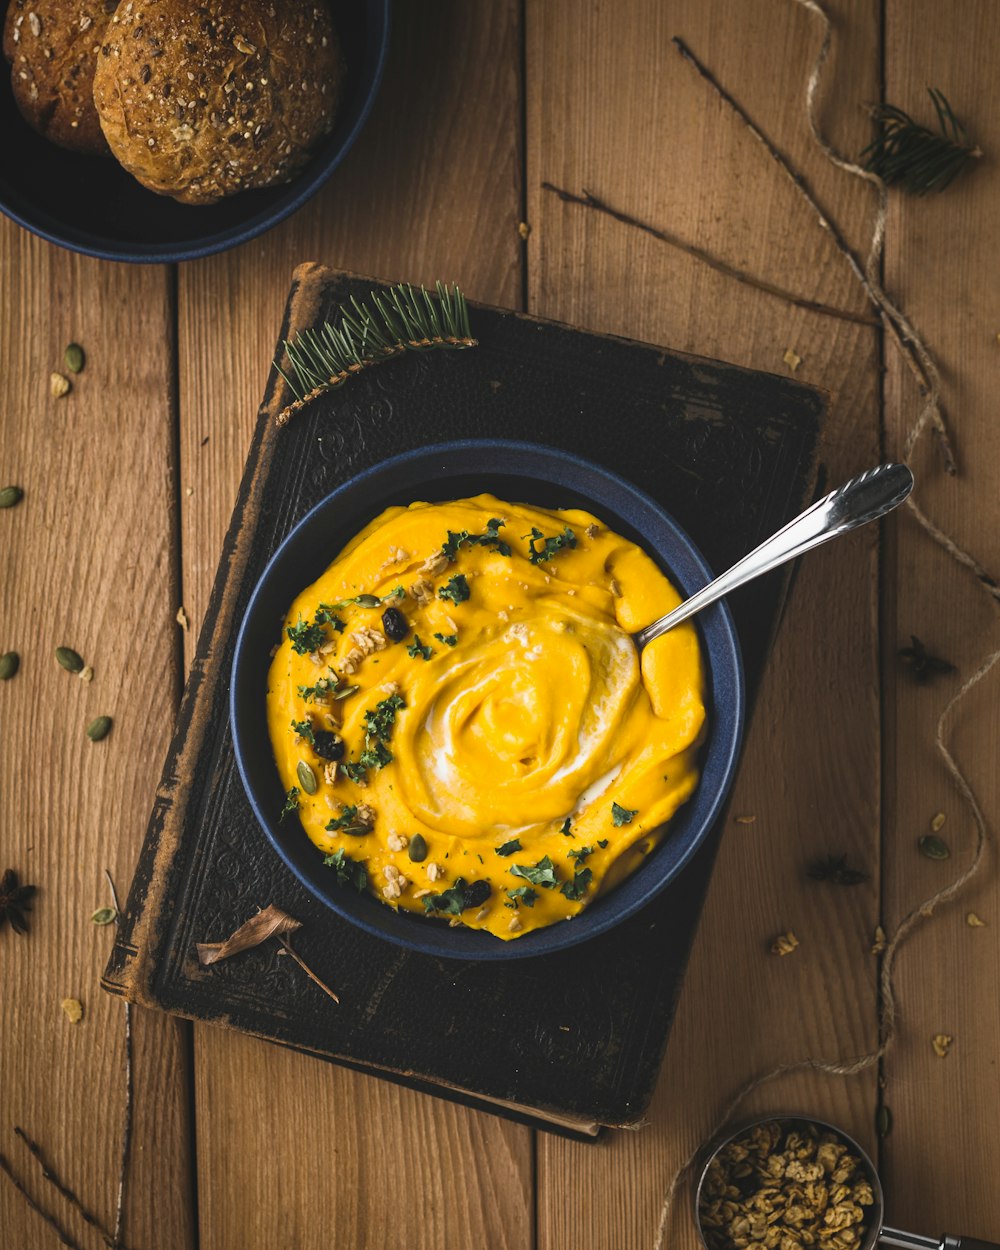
[(864, 498)]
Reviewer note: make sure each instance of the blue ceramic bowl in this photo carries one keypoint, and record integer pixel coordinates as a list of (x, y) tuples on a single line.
[(524, 473), (91, 205)]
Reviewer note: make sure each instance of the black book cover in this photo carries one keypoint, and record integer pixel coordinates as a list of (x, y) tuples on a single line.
[(569, 1041)]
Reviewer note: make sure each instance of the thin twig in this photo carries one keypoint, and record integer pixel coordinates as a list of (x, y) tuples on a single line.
[(129, 1097), (893, 322), (589, 200), (290, 950), (49, 1173), (64, 1238)]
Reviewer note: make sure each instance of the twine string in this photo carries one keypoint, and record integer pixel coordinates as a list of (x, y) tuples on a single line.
[(930, 413)]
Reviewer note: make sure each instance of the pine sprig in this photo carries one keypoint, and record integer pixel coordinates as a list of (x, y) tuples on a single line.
[(919, 160), (404, 319)]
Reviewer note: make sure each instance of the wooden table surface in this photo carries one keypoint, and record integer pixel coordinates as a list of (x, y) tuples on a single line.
[(129, 484)]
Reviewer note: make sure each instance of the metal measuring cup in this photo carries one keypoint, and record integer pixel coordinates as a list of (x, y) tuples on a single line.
[(876, 1232)]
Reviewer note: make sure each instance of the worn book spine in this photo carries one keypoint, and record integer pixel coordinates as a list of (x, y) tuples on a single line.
[(140, 934)]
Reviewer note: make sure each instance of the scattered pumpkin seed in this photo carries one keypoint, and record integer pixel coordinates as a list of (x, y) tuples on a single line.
[(9, 664), (417, 848), (937, 822), (974, 921), (59, 385), (933, 847), (74, 358), (73, 1009), (104, 915), (71, 661), (307, 778), (10, 495), (883, 1121), (99, 728)]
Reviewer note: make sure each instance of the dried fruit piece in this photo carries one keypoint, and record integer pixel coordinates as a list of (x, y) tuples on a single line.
[(59, 385), (71, 661), (10, 662)]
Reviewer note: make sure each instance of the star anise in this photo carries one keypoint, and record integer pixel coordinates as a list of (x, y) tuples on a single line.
[(922, 664), (14, 901), (834, 868)]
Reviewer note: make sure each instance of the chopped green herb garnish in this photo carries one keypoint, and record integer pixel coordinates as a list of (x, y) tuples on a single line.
[(450, 640), (305, 637), (356, 771), (416, 648), (376, 756), (380, 720), (543, 873), (291, 803), (347, 821), (305, 730), (508, 848), (581, 853), (451, 901), (457, 589), (462, 538), (325, 688), (326, 615), (602, 843), (523, 894), (550, 546), (349, 871), (622, 815), (575, 889), (565, 830)]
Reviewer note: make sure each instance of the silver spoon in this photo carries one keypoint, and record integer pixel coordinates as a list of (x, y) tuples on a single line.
[(864, 498)]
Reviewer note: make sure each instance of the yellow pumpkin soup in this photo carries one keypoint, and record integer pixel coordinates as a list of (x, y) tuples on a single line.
[(463, 723)]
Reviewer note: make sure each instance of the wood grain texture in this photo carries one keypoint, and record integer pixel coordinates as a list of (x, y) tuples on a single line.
[(431, 190), (612, 107), (942, 260), (85, 561)]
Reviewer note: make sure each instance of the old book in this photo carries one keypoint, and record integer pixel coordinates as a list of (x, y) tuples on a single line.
[(571, 1041)]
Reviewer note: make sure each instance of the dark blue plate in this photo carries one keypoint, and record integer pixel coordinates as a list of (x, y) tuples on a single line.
[(524, 473), (90, 204)]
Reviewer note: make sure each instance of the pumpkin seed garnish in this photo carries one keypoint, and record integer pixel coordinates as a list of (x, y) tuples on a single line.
[(417, 848), (104, 915), (10, 495), (9, 665), (71, 661), (307, 778), (883, 1121), (99, 728), (933, 847), (74, 357)]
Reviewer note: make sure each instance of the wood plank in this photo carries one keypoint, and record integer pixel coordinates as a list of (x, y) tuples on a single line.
[(942, 260), (431, 190), (85, 561), (611, 107)]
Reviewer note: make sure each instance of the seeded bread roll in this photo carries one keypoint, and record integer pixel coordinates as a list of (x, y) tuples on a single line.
[(52, 48), (201, 101)]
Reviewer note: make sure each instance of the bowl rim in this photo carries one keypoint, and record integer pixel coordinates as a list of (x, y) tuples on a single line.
[(222, 240), (719, 620)]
